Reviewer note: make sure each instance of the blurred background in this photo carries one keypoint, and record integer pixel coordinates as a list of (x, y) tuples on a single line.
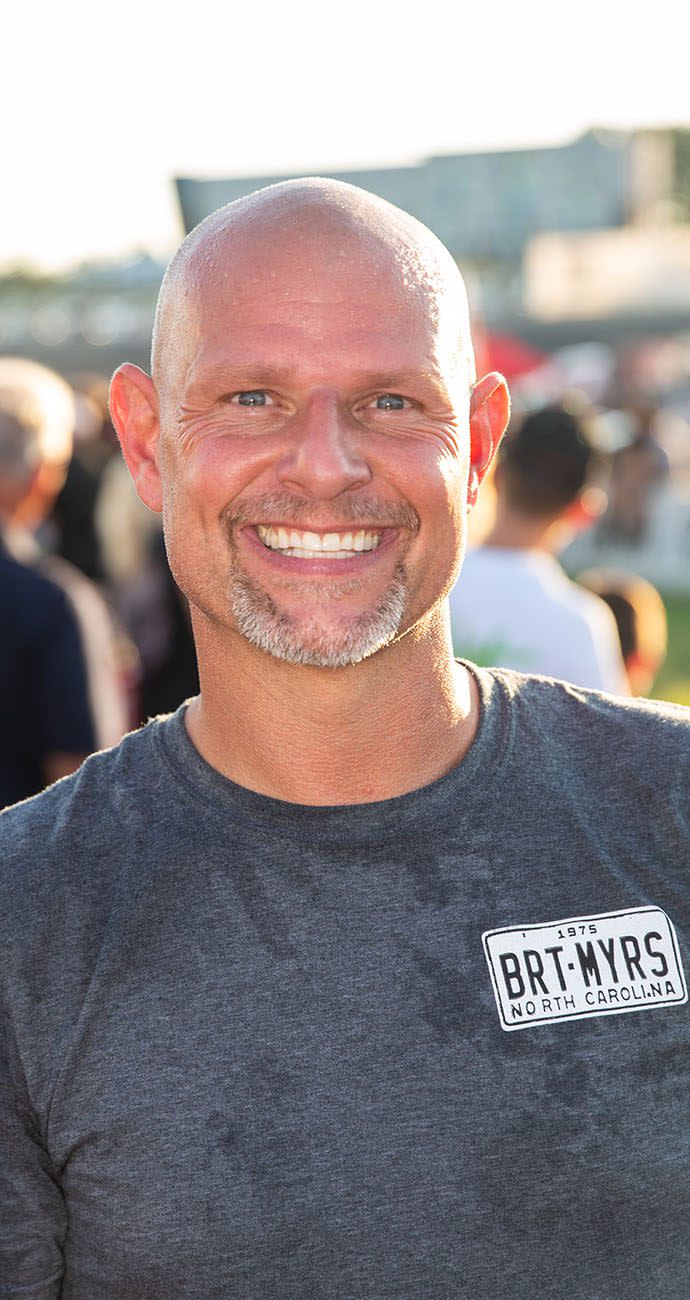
[(549, 148)]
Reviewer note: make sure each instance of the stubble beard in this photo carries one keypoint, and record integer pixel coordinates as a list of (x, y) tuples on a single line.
[(305, 641)]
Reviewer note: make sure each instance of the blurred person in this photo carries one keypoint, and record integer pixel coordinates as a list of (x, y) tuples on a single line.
[(74, 517), (71, 517), (46, 726), (262, 977), (637, 471), (641, 621), (514, 605), (148, 601), (108, 658)]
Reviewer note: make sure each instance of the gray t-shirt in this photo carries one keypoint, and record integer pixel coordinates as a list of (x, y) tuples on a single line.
[(422, 1049)]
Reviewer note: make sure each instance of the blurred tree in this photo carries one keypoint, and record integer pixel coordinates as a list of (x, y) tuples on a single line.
[(681, 148)]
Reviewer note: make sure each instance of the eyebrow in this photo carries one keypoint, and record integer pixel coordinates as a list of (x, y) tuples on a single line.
[(235, 377), (392, 379)]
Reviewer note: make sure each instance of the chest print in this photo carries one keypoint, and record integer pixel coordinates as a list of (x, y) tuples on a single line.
[(599, 965)]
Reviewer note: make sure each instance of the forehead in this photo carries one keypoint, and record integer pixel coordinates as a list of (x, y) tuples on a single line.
[(296, 289), (317, 265)]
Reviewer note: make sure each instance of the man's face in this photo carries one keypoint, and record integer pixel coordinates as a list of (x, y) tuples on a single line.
[(314, 452)]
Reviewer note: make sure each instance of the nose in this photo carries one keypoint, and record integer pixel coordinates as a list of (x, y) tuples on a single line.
[(323, 458)]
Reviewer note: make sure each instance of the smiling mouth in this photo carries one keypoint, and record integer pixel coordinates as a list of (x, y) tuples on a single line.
[(318, 546)]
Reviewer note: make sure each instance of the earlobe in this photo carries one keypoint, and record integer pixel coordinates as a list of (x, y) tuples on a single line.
[(489, 415), (134, 411)]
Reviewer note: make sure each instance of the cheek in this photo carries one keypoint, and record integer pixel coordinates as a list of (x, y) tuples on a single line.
[(448, 514), (441, 482), (206, 473), (436, 485), (195, 492)]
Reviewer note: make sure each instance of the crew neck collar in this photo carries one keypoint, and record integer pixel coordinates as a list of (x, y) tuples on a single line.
[(457, 794)]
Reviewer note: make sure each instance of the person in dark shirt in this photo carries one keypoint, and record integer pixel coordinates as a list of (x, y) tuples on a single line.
[(46, 723), (46, 728)]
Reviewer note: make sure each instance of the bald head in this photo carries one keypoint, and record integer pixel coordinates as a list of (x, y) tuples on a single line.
[(312, 366), (326, 222)]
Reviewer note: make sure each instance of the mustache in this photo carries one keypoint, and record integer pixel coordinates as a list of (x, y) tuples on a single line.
[(290, 509)]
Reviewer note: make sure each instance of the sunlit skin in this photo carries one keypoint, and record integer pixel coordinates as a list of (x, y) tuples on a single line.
[(303, 379)]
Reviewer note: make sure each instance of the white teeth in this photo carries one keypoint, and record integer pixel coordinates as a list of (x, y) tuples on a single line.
[(311, 546), (301, 553)]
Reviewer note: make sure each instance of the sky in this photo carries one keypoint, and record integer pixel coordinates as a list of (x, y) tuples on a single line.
[(102, 108)]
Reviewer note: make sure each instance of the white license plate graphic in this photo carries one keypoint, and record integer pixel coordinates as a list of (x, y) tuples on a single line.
[(585, 966)]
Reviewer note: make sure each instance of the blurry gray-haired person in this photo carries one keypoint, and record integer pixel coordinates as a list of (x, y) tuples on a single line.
[(46, 728), (40, 407)]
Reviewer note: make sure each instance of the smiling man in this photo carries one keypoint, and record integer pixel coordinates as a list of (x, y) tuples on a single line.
[(313, 438), (323, 985)]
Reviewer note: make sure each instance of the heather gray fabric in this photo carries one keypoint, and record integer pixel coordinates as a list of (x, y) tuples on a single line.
[(253, 1049)]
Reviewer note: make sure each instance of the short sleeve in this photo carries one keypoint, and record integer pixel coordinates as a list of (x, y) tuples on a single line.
[(33, 1217)]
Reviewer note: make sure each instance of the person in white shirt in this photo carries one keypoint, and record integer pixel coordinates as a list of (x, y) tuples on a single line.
[(514, 606)]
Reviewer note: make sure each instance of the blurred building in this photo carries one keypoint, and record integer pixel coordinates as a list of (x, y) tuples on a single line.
[(524, 221), (589, 241), (88, 319)]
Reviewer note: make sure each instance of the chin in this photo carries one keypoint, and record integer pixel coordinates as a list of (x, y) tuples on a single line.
[(307, 642)]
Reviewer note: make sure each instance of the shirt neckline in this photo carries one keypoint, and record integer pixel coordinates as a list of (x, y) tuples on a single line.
[(457, 795)]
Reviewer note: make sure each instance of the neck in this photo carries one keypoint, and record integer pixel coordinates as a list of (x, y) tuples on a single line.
[(515, 531), (397, 721)]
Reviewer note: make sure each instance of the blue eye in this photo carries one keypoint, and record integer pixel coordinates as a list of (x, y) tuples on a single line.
[(252, 397), (390, 402)]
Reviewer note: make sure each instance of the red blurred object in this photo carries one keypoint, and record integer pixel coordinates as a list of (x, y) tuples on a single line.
[(510, 356)]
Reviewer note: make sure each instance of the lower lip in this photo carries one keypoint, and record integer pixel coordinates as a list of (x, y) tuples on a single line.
[(335, 568)]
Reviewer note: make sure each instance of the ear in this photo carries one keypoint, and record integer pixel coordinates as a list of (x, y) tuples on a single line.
[(489, 415), (134, 411)]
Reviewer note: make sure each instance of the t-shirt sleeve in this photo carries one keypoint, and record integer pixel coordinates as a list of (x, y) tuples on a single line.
[(62, 718), (33, 1218)]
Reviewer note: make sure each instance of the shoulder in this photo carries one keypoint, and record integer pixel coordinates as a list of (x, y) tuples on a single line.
[(589, 638), (22, 582), (71, 863), (597, 738), (586, 606), (63, 843), (74, 861), (82, 593), (546, 696), (37, 615)]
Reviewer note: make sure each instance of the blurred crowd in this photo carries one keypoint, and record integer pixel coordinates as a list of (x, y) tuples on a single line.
[(96, 636), (516, 606)]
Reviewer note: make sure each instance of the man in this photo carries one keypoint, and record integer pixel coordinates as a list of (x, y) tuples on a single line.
[(256, 1045), (514, 604), (46, 728), (41, 408), (639, 469), (641, 623)]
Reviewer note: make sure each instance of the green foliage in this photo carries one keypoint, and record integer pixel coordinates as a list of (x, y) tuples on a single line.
[(681, 184)]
